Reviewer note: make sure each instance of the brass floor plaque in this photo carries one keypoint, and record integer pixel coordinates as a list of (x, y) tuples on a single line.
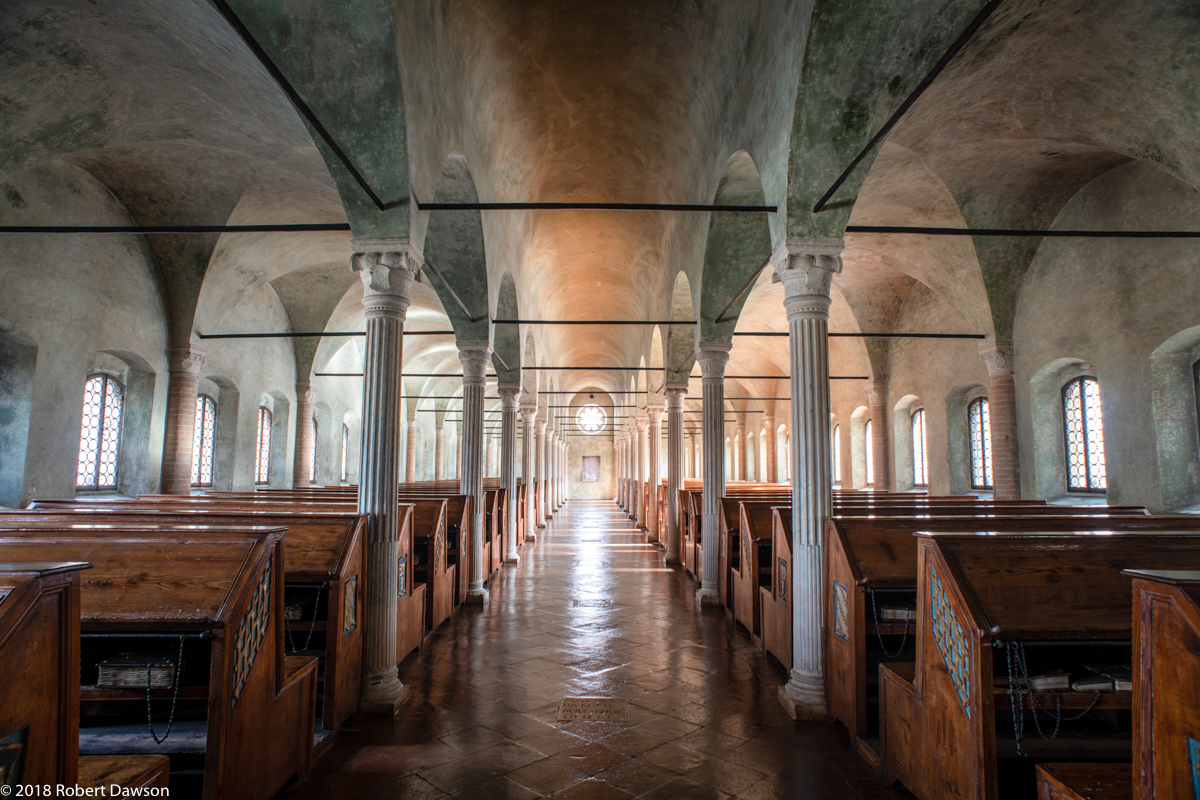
[(593, 709), (592, 603)]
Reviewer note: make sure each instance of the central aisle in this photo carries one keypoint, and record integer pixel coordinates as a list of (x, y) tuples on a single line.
[(590, 612)]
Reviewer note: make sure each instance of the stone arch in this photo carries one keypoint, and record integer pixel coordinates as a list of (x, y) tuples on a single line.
[(858, 447), (506, 339), (18, 361), (958, 435), (454, 246), (1173, 392), (1045, 402), (902, 441), (680, 346), (529, 378), (738, 246)]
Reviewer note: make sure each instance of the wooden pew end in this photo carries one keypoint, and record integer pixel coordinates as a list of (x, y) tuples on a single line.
[(1085, 781), (128, 772)]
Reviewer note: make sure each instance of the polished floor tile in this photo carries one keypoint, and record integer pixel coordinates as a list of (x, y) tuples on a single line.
[(590, 611)]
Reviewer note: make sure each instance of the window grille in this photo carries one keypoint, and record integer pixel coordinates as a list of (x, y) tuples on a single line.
[(100, 434), (837, 453), (1083, 429), (202, 441), (980, 425), (920, 455), (345, 449), (262, 448), (868, 451)]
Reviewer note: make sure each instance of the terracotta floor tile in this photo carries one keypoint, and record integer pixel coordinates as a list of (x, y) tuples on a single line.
[(498, 788), (508, 756), (591, 758), (636, 776), (456, 776), (472, 740), (546, 776), (681, 788), (633, 741), (592, 789)]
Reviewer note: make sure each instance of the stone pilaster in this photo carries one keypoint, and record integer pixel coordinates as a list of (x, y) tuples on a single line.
[(529, 412), (387, 269), (542, 465), (654, 440), (1002, 417), (712, 358), (806, 269), (769, 448), (306, 445), (675, 472), (877, 399), (509, 400), (410, 445), (474, 357), (184, 365)]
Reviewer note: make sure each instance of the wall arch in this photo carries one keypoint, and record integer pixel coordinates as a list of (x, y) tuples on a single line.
[(18, 360), (1173, 393), (1045, 401), (858, 447), (958, 435), (902, 441)]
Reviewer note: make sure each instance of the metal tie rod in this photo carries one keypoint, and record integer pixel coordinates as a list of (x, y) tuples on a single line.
[(907, 229), (593, 207), (307, 334)]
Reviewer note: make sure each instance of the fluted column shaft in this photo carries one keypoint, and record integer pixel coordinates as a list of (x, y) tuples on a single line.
[(528, 468), (474, 357), (806, 269), (618, 473), (675, 471), (509, 397), (387, 269), (1002, 419), (640, 465), (740, 449), (712, 357), (184, 374), (877, 399), (542, 464), (654, 440), (560, 490)]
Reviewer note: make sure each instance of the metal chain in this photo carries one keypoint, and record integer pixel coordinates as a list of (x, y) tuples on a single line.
[(174, 696), (1016, 650), (878, 635), (312, 626)]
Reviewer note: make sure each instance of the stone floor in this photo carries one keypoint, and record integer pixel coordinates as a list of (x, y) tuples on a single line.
[(703, 721)]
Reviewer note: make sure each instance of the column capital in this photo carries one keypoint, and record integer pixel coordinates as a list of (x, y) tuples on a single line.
[(712, 358), (387, 268), (474, 357), (509, 396), (306, 391), (877, 393), (528, 412), (675, 394), (655, 413), (642, 423), (187, 359), (806, 268), (541, 426), (997, 356)]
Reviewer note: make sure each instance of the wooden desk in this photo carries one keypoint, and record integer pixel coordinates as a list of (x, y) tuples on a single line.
[(775, 600)]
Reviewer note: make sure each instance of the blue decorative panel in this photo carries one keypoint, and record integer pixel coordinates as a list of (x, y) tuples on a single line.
[(251, 632), (841, 611), (1194, 758), (948, 634)]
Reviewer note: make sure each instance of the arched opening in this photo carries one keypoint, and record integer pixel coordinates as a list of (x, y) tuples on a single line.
[(859, 459), (1046, 395), (1175, 395), (909, 453), (18, 360)]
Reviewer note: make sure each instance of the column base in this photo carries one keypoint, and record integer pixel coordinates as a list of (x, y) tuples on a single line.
[(531, 536), (542, 524), (803, 697), (512, 558), (672, 559), (476, 597), (384, 699), (708, 598)]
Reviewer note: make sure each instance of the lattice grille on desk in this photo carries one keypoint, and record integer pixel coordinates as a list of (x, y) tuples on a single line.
[(951, 642), (251, 632), (439, 552)]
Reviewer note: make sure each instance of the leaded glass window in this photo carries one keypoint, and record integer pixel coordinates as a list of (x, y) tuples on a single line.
[(100, 434), (312, 453), (837, 453), (1084, 431), (980, 426), (868, 452), (920, 456), (202, 441), (591, 419), (262, 447), (345, 449)]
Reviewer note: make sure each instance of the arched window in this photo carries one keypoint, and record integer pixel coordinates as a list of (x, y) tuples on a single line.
[(262, 447), (837, 453), (100, 436), (345, 449), (920, 455), (202, 441), (312, 454), (867, 449), (1083, 427), (980, 426)]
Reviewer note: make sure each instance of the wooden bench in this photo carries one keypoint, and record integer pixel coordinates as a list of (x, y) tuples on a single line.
[(244, 709), (775, 603), (431, 567), (752, 568), (985, 603)]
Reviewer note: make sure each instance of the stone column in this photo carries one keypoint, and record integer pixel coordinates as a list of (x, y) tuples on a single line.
[(617, 472), (458, 450), (712, 357), (528, 468), (769, 448), (184, 365), (387, 268), (1002, 417), (542, 463), (806, 269), (675, 395), (306, 445), (562, 471), (509, 396), (439, 448), (474, 357), (558, 471), (655, 477), (410, 449), (740, 448), (640, 466), (877, 398)]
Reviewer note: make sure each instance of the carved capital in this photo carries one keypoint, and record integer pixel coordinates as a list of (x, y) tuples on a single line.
[(541, 426), (655, 413), (474, 357), (806, 268), (306, 392), (712, 358), (675, 394), (387, 268), (998, 356), (877, 393), (510, 394), (642, 423), (528, 413), (187, 360)]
